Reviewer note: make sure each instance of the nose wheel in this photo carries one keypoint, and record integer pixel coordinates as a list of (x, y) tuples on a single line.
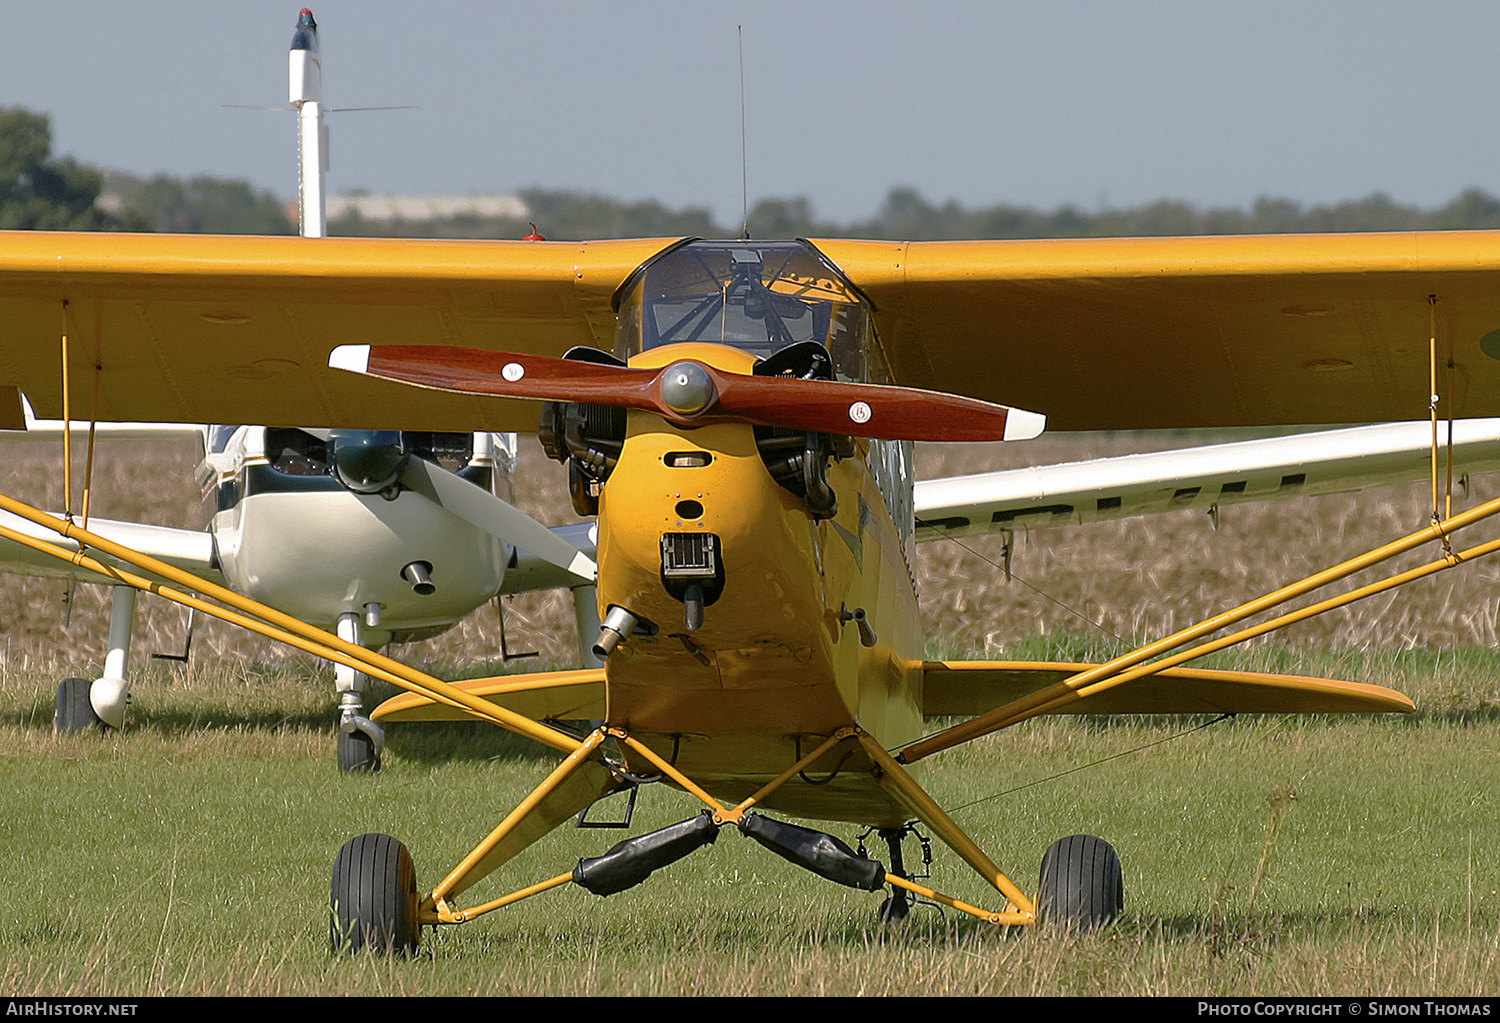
[(73, 712), (358, 753)]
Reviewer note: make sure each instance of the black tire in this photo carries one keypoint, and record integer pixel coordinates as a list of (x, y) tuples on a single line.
[(357, 753), (73, 712), (1082, 885), (374, 899), (894, 910)]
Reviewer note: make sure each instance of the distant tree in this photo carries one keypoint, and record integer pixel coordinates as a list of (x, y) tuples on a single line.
[(908, 215), (206, 205), (574, 216), (39, 191), (787, 218), (1472, 210)]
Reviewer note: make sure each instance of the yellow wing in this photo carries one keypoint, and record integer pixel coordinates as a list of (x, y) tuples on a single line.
[(207, 329), (1095, 333), (1151, 333)]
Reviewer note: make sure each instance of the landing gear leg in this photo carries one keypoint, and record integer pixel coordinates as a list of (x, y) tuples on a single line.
[(896, 908), (360, 739)]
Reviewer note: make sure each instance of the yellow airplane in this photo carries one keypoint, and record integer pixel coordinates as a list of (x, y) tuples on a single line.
[(740, 417)]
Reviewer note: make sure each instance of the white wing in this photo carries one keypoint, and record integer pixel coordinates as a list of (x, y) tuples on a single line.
[(52, 429), (1325, 462), (187, 549)]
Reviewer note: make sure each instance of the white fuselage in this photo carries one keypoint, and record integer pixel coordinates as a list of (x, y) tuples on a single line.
[(302, 543)]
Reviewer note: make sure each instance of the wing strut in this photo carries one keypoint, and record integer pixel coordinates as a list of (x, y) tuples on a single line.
[(1131, 666), (1432, 374)]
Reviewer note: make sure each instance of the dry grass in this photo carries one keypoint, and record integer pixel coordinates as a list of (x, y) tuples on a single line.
[(1130, 580), (1136, 579)]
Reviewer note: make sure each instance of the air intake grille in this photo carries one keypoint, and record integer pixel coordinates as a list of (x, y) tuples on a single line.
[(689, 555)]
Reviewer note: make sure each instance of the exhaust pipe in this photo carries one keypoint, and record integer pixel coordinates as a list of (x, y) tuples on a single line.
[(419, 574), (618, 624), (867, 637)]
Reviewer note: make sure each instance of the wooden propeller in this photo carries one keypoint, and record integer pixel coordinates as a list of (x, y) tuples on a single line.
[(689, 392)]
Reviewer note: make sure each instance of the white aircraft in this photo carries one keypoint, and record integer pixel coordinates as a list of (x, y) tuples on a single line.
[(380, 535)]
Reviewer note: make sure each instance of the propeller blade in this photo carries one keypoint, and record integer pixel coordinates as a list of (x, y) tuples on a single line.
[(692, 392), (874, 410), (484, 510), (502, 374)]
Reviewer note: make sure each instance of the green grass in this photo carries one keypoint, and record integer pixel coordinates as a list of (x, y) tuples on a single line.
[(191, 853)]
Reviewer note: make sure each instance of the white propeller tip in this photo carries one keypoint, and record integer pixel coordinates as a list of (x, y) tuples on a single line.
[(584, 567), (356, 359), (1023, 425)]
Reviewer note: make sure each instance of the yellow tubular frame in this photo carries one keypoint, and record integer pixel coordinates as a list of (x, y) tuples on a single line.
[(735, 815), (439, 896), (1021, 910)]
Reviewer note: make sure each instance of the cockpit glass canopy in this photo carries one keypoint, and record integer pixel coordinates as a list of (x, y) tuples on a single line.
[(756, 296)]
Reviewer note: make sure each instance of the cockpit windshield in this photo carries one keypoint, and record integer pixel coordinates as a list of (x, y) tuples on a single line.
[(760, 297)]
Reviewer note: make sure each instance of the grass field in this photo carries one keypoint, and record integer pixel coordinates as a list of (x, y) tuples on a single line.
[(190, 854)]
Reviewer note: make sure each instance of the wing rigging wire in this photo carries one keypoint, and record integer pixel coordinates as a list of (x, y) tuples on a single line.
[(1095, 763)]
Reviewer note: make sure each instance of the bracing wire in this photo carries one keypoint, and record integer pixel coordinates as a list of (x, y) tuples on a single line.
[(1094, 763)]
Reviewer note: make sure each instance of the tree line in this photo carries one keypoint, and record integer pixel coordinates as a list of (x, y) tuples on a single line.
[(41, 191)]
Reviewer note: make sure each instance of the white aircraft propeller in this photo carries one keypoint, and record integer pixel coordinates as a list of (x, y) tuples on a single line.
[(484, 510)]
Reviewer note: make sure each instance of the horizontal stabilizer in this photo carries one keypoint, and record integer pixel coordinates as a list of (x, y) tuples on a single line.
[(965, 688), (543, 696)]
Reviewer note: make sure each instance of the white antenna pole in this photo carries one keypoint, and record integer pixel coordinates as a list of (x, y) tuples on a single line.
[(306, 94)]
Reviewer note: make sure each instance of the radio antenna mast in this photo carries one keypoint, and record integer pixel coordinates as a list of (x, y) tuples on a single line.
[(744, 162)]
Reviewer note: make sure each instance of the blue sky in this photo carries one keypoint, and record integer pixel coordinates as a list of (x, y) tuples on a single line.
[(1035, 104)]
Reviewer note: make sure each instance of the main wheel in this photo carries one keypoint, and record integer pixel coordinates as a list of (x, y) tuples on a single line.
[(374, 899), (73, 712), (1082, 884), (357, 753)]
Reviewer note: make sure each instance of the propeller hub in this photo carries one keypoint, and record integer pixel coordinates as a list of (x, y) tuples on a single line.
[(687, 389)]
